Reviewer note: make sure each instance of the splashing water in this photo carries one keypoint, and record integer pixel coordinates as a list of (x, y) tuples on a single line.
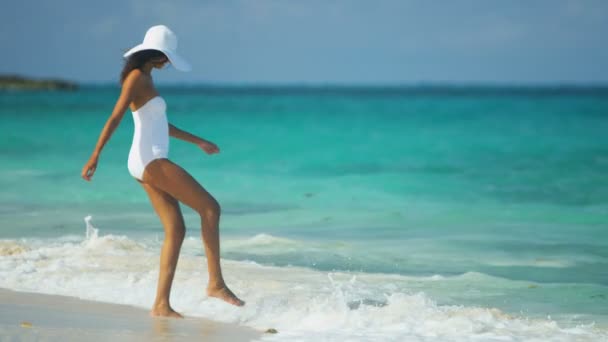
[(91, 231)]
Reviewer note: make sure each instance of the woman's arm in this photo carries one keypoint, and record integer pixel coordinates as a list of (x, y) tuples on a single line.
[(126, 95), (183, 135), (205, 145)]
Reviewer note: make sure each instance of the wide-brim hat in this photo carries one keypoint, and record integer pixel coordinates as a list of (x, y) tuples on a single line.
[(161, 38)]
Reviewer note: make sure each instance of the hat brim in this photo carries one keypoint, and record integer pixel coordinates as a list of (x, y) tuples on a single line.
[(176, 60)]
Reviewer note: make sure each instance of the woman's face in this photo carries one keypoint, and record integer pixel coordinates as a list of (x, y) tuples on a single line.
[(160, 62)]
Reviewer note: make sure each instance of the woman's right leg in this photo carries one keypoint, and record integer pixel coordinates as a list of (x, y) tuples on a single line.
[(167, 209), (174, 180)]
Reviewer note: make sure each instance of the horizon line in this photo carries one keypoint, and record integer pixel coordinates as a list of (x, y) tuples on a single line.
[(339, 84), (417, 84)]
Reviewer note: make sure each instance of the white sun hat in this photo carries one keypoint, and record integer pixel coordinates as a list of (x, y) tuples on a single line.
[(161, 38)]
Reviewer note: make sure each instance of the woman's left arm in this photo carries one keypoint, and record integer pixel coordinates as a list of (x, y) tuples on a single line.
[(183, 135), (205, 145)]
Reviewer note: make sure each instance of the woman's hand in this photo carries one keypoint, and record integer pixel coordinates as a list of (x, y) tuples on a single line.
[(208, 147), (89, 168)]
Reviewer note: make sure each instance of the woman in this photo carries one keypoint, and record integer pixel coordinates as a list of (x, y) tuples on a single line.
[(165, 182)]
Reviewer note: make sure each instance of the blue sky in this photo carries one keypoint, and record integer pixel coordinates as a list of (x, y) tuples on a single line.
[(316, 41)]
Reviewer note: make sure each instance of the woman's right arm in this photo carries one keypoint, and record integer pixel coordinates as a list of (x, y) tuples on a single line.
[(126, 96)]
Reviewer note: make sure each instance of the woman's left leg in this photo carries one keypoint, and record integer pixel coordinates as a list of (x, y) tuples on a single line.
[(169, 177), (167, 209)]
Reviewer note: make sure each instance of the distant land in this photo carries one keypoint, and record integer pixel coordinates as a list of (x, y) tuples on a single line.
[(15, 82)]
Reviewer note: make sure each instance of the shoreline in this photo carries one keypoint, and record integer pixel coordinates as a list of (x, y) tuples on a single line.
[(33, 316)]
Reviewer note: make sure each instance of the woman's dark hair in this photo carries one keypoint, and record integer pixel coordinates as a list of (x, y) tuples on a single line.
[(137, 60)]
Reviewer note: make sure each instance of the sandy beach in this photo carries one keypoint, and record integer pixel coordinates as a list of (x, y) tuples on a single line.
[(38, 317)]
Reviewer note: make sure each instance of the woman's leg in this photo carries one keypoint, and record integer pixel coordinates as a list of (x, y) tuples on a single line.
[(174, 180), (172, 220)]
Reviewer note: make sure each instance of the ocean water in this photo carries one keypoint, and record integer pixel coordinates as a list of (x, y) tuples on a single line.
[(397, 214)]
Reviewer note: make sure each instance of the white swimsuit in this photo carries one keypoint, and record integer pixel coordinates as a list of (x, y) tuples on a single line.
[(151, 136)]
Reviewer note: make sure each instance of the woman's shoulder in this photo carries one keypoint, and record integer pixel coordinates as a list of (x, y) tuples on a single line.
[(136, 78), (135, 74)]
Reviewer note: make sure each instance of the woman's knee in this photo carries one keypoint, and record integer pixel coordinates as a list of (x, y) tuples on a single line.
[(211, 210)]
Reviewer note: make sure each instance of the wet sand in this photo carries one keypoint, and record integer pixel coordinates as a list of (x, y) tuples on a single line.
[(37, 317)]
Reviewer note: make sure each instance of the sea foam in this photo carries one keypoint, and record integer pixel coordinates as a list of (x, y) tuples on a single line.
[(301, 303)]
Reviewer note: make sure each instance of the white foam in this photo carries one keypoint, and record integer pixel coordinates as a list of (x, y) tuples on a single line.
[(91, 232), (261, 240), (536, 262), (302, 304)]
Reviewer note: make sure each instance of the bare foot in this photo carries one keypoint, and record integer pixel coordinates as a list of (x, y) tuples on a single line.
[(164, 311), (225, 294)]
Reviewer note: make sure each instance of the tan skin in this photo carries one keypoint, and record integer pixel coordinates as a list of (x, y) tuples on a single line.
[(167, 184)]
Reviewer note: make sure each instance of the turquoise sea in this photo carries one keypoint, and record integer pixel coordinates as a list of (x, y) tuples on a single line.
[(349, 213)]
